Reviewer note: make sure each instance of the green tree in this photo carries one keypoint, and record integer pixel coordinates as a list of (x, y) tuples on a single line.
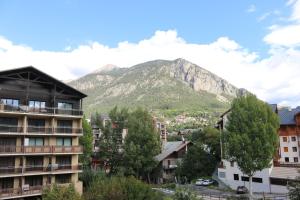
[(251, 136), (141, 144), (88, 176), (61, 193), (120, 188), (196, 163), (111, 143), (87, 142), (210, 137), (294, 189), (184, 194)]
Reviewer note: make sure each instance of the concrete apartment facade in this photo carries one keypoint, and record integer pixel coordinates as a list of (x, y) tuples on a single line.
[(40, 126), (285, 166)]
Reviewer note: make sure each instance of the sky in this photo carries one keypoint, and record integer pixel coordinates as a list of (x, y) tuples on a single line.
[(253, 44)]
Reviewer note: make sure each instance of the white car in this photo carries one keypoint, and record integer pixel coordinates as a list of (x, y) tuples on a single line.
[(199, 181), (207, 182)]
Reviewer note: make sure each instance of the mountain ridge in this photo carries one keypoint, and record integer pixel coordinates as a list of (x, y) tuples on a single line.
[(162, 85)]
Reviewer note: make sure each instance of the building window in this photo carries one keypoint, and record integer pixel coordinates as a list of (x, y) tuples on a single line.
[(222, 174), (277, 181), (294, 149), (285, 149), (37, 104), (284, 139), (235, 177), (36, 142), (232, 163), (293, 138), (10, 102), (63, 142), (6, 183), (245, 178), (34, 180), (286, 159), (296, 159), (257, 180), (65, 106), (63, 178)]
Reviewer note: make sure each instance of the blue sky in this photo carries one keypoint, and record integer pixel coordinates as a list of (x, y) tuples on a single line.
[(253, 44), (53, 25)]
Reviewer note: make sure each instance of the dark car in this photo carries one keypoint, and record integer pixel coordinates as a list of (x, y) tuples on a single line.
[(241, 190)]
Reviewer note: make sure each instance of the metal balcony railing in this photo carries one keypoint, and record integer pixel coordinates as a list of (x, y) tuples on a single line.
[(39, 129), (66, 130), (40, 110), (38, 168), (5, 128), (15, 192), (39, 149)]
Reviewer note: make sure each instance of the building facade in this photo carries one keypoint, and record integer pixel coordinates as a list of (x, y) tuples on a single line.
[(171, 154), (40, 126), (285, 166)]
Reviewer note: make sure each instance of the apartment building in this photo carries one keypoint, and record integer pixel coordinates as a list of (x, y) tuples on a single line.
[(285, 166), (40, 126)]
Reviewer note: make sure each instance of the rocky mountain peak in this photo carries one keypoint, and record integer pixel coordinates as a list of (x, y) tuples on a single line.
[(105, 68)]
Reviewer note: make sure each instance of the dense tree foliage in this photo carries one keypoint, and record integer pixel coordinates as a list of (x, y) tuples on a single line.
[(251, 137), (88, 176), (141, 144), (111, 144), (183, 194), (61, 193), (87, 142), (210, 138), (294, 189), (120, 188), (196, 163)]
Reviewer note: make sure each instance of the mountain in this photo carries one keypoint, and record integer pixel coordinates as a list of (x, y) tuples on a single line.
[(166, 87)]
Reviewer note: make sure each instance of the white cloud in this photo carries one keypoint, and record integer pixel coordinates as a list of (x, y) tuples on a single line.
[(251, 8), (274, 79), (286, 35)]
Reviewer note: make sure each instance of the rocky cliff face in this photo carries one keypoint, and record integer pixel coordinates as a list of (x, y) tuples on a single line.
[(200, 79), (157, 85)]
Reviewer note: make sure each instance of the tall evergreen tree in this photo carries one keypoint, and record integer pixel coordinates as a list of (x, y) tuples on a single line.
[(111, 144), (251, 136), (141, 144)]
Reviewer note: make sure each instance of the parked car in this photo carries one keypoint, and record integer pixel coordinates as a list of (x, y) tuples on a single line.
[(241, 190), (199, 182), (208, 182)]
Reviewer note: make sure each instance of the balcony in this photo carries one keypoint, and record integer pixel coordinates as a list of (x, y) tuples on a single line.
[(68, 130), (39, 149), (42, 110), (13, 130), (10, 129), (19, 192), (32, 169), (286, 164), (39, 129)]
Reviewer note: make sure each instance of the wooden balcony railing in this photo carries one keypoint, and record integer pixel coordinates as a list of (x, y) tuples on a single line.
[(39, 149), (40, 110)]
